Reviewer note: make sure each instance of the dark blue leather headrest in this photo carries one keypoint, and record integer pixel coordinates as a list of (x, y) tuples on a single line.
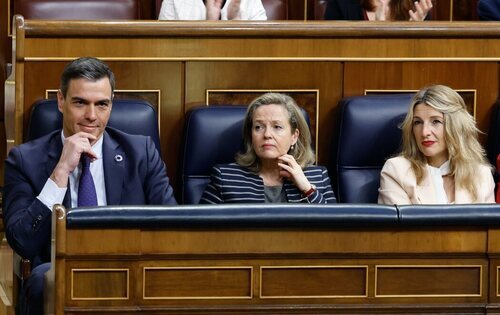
[(368, 134), (128, 115), (212, 135), (234, 215)]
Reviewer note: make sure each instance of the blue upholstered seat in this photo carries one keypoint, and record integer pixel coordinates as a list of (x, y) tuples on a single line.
[(212, 135), (368, 134), (128, 115)]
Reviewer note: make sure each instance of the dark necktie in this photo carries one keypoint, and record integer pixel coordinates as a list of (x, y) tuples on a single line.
[(87, 196)]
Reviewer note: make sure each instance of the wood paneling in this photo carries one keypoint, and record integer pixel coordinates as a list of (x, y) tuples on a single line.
[(464, 10), (198, 283), (385, 271), (442, 10), (494, 287), (310, 241), (453, 280), (111, 283), (114, 243), (479, 76), (314, 282), (94, 284), (297, 10), (326, 77), (494, 241), (147, 9)]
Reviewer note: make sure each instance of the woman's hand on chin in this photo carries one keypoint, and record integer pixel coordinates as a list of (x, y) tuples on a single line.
[(292, 171)]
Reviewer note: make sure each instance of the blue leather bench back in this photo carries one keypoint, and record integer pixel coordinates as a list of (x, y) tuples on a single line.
[(212, 135), (128, 115), (368, 134)]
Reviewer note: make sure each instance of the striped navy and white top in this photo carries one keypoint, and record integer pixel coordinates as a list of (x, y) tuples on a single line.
[(232, 183)]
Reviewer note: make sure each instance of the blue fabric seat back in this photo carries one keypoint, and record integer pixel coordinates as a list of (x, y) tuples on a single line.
[(128, 115), (212, 135), (368, 134)]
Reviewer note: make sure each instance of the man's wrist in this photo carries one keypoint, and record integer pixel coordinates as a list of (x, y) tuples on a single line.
[(60, 177)]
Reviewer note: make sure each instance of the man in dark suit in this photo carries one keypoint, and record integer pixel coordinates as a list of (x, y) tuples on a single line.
[(125, 169)]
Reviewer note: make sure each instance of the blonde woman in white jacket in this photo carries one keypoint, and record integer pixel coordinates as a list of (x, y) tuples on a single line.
[(212, 10)]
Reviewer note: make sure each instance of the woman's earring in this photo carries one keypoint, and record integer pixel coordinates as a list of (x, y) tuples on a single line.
[(291, 147)]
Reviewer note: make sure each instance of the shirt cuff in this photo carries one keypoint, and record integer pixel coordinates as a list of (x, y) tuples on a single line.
[(51, 194)]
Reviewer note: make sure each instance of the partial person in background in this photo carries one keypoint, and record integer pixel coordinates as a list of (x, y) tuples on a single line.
[(212, 10), (488, 10), (276, 164), (442, 161), (378, 10)]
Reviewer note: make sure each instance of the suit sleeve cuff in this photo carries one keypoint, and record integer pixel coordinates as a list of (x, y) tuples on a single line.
[(51, 194)]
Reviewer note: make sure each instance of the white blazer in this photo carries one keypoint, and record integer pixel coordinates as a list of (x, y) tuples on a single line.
[(398, 185), (196, 10)]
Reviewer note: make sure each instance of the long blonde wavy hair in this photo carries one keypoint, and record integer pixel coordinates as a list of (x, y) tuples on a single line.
[(461, 134)]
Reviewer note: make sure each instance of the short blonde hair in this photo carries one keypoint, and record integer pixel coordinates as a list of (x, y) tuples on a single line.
[(302, 150), (461, 134)]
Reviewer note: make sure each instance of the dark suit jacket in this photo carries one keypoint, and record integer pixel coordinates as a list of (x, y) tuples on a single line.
[(344, 10), (232, 183), (488, 10), (139, 178)]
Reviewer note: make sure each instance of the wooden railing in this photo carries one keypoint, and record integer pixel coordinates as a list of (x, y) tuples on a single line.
[(225, 261)]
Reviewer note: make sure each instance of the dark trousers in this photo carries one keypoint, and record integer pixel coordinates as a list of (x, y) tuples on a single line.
[(31, 299)]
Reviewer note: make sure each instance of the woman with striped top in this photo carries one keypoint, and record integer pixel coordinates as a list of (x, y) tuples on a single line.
[(276, 164)]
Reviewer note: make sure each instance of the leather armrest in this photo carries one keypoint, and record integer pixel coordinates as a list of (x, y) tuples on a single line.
[(234, 215)]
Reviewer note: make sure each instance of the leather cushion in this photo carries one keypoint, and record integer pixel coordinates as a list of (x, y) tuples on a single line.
[(77, 9), (128, 115), (236, 215)]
